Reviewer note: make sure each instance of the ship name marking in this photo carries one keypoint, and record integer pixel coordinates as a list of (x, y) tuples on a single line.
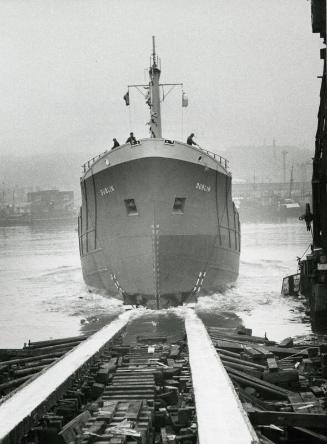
[(107, 190), (203, 187)]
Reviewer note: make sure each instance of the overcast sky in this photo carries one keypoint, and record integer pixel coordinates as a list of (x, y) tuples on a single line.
[(249, 67)]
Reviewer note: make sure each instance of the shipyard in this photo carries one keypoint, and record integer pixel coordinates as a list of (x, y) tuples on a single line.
[(163, 237)]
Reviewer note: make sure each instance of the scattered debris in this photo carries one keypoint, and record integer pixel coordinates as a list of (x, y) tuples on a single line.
[(143, 393), (283, 386)]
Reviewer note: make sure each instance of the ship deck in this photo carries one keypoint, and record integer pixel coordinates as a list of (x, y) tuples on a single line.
[(153, 148)]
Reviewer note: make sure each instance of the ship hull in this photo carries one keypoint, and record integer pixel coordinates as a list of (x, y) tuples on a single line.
[(137, 244)]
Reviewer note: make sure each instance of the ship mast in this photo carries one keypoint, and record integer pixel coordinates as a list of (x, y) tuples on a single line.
[(155, 113), (152, 95)]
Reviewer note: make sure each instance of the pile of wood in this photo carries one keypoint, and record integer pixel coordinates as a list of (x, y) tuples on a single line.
[(19, 366), (131, 394), (283, 387)]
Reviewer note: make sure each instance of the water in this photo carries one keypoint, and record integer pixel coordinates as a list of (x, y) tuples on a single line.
[(43, 296)]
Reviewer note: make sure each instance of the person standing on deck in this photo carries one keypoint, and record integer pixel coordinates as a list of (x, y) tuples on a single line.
[(116, 143), (131, 139), (190, 140)]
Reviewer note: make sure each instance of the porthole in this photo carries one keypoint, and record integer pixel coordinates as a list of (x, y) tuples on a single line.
[(179, 205), (131, 207)]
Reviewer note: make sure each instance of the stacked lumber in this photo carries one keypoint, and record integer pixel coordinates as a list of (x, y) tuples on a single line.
[(283, 386)]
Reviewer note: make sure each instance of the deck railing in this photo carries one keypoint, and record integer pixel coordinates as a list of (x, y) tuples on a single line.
[(220, 159), (87, 165)]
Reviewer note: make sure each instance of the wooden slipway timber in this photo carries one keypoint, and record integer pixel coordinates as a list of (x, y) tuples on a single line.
[(217, 420), (213, 385), (50, 384)]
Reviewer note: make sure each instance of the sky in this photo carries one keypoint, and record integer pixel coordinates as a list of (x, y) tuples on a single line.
[(249, 68)]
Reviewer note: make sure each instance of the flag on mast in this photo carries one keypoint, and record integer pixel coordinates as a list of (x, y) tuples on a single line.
[(126, 98), (184, 100)]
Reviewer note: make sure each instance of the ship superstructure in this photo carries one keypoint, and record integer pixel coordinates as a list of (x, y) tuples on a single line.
[(157, 225)]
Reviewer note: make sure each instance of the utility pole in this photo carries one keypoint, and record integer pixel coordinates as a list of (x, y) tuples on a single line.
[(284, 154), (291, 182)]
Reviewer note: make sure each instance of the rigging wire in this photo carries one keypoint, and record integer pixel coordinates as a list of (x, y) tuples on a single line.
[(182, 126), (182, 122), (129, 116), (299, 258)]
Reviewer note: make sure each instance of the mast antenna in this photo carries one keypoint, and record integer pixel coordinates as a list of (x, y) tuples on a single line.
[(155, 114), (153, 46), (154, 56)]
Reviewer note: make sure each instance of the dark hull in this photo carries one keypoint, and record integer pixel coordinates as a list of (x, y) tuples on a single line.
[(158, 257)]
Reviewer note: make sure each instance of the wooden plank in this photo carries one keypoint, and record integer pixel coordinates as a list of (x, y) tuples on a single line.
[(174, 351), (287, 342), (308, 435), (311, 400), (284, 378), (282, 352), (253, 354), (227, 353), (274, 394), (133, 410), (264, 439), (251, 399), (220, 415), (164, 437), (42, 391), (297, 403), (264, 350), (38, 344), (258, 381), (108, 409), (240, 337), (228, 358), (287, 419), (74, 427), (295, 356), (33, 358), (229, 345), (244, 368), (272, 364)]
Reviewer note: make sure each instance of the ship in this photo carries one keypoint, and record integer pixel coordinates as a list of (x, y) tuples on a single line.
[(268, 208), (157, 224), (273, 204), (13, 215)]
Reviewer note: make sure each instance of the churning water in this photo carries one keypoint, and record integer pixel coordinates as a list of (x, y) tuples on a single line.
[(42, 293)]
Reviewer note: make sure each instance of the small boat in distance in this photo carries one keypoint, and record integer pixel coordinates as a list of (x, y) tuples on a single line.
[(157, 225), (13, 215)]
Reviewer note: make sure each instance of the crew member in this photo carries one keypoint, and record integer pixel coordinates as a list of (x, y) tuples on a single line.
[(131, 139), (116, 143), (190, 140)]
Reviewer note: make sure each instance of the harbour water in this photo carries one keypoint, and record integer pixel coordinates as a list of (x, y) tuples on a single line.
[(42, 293)]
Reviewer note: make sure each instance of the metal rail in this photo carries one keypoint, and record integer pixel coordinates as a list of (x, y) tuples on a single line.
[(220, 159), (87, 165)]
